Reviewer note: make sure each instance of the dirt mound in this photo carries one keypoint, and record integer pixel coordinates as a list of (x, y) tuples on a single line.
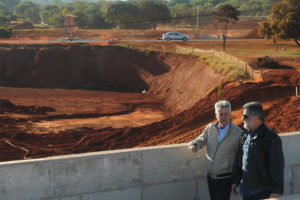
[(252, 35), (7, 106), (281, 71), (183, 127), (288, 109), (270, 63)]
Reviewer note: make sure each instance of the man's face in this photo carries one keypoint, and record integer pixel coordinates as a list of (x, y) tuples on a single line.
[(248, 120), (223, 116)]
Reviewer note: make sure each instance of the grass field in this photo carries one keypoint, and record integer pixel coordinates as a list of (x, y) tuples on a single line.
[(242, 49)]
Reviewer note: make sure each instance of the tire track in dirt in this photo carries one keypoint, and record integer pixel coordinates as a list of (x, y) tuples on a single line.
[(18, 147)]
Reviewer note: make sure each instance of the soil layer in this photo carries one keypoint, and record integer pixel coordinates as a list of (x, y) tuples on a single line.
[(171, 99)]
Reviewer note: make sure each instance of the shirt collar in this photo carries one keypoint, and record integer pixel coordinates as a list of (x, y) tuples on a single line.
[(259, 129), (226, 127)]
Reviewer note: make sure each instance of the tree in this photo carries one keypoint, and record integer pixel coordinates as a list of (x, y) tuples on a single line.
[(225, 15), (121, 13), (179, 2), (52, 14), (94, 15), (56, 2), (81, 18), (269, 31), (180, 13), (4, 17), (3, 6), (10, 3), (57, 19), (48, 11), (265, 30), (95, 18), (28, 11), (285, 20), (5, 32), (153, 12)]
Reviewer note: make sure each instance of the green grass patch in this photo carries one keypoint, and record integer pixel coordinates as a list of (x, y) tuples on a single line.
[(230, 69), (147, 52), (263, 52)]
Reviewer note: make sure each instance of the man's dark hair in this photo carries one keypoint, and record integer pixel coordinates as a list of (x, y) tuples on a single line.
[(255, 109)]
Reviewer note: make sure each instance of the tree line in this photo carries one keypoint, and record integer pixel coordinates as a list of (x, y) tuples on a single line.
[(131, 14), (283, 20), (143, 14)]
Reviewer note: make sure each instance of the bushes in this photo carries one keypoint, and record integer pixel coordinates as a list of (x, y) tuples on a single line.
[(5, 32), (267, 62)]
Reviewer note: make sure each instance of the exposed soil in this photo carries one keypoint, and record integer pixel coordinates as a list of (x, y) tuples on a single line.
[(179, 92), (176, 78), (77, 66), (161, 85), (282, 114), (288, 71)]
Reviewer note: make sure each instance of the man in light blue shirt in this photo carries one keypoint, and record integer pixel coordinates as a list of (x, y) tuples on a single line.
[(223, 131), (221, 140)]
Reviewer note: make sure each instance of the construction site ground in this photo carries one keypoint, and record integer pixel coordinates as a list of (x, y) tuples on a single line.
[(74, 98)]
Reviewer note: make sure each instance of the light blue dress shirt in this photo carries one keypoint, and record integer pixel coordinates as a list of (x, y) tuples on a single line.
[(223, 132)]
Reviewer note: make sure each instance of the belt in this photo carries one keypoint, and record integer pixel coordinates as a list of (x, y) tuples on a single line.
[(226, 175)]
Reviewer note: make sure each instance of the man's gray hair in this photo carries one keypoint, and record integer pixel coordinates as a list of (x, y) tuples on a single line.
[(222, 104), (255, 109)]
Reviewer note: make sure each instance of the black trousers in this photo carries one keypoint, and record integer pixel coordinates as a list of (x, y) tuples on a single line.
[(219, 189), (263, 195)]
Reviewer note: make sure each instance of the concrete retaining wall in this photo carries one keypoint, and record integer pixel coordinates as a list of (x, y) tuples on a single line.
[(160, 173)]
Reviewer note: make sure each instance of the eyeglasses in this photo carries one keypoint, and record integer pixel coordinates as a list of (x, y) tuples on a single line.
[(245, 116)]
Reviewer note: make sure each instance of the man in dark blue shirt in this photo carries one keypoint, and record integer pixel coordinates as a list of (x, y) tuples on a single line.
[(259, 163)]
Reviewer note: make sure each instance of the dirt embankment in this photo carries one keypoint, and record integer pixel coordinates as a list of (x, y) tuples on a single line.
[(76, 66), (183, 83), (181, 80), (188, 80), (187, 125), (281, 109)]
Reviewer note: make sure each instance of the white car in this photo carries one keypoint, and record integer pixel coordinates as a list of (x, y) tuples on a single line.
[(175, 36)]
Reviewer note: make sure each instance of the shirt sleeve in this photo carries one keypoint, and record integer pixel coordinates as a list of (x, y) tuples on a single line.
[(237, 167), (276, 165)]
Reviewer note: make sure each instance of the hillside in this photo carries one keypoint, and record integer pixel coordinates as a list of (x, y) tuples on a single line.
[(178, 104)]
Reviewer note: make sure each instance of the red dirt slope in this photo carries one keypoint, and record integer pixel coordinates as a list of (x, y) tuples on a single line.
[(183, 127)]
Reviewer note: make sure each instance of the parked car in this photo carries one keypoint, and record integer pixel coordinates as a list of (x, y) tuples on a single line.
[(175, 36)]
